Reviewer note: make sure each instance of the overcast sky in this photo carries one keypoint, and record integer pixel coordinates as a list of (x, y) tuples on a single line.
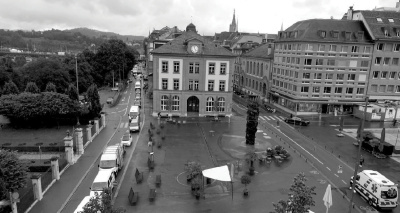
[(138, 17)]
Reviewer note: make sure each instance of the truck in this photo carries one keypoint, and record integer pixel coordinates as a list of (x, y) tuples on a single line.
[(112, 158), (378, 190)]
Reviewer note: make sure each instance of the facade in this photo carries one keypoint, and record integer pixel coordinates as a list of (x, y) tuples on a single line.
[(192, 77), (321, 66), (256, 77)]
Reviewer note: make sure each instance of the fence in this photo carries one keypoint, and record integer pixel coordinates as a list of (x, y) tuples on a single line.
[(26, 198)]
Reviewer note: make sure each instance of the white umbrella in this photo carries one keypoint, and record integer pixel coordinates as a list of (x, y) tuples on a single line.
[(328, 197)]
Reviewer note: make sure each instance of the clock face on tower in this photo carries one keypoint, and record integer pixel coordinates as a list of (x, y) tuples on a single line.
[(194, 49)]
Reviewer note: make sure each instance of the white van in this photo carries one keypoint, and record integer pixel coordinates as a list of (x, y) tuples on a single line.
[(133, 112), (112, 158), (134, 125), (378, 191), (82, 204), (104, 179), (138, 85)]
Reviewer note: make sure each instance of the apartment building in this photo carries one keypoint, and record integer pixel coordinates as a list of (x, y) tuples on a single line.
[(321, 66), (192, 77)]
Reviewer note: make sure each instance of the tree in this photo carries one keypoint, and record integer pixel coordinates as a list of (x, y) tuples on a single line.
[(72, 93), (300, 197), (245, 179), (101, 202), (251, 156), (32, 88), (14, 172), (10, 88), (50, 87), (84, 70), (94, 101), (252, 122)]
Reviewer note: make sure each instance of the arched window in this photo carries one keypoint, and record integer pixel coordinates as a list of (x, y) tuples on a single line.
[(221, 104), (164, 103), (175, 103), (262, 71), (252, 86), (256, 85), (258, 69), (251, 68), (254, 68), (247, 84), (209, 104)]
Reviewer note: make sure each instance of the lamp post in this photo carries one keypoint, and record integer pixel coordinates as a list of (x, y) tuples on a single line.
[(77, 85), (358, 156)]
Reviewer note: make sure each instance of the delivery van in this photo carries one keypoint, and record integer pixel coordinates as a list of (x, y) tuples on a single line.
[(133, 112), (112, 158), (105, 179), (377, 190), (134, 124), (82, 204), (138, 85)]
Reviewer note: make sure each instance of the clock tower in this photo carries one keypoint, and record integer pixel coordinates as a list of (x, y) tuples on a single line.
[(194, 46)]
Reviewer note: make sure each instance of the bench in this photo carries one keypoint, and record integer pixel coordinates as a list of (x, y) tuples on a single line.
[(133, 197), (138, 176), (152, 194), (158, 180)]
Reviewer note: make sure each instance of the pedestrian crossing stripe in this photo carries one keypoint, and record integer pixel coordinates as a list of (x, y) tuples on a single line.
[(121, 125), (267, 118), (262, 118), (124, 125), (272, 118), (281, 117)]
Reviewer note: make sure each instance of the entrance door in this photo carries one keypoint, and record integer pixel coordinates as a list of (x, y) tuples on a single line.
[(193, 104)]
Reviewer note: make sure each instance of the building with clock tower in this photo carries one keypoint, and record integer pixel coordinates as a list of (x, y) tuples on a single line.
[(192, 77)]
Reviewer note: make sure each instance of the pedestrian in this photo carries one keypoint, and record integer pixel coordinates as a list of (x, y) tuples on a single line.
[(159, 114), (361, 160)]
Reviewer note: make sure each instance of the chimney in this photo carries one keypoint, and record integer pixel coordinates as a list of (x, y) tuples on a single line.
[(398, 4), (350, 13)]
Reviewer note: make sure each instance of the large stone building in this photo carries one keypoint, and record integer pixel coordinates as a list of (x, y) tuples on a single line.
[(192, 77), (321, 65)]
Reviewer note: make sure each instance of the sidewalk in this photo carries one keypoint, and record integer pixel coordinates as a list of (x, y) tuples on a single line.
[(59, 194)]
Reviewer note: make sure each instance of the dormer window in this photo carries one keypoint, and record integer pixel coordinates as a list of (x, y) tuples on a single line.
[(386, 32), (398, 33), (295, 34), (323, 34), (379, 20), (360, 35), (347, 35), (335, 34), (391, 20)]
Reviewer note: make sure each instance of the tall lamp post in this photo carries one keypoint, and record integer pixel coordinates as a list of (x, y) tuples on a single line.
[(358, 156), (77, 85)]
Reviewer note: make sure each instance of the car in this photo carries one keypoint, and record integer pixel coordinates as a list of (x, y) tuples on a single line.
[(137, 96), (145, 77), (297, 121), (110, 100), (137, 102), (150, 74), (126, 139)]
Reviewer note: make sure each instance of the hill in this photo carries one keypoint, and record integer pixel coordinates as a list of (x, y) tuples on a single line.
[(100, 34)]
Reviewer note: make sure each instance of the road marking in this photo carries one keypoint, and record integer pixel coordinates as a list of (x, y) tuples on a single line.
[(336, 175), (344, 182), (121, 125), (262, 118), (267, 118), (328, 168), (126, 125), (272, 117), (281, 117)]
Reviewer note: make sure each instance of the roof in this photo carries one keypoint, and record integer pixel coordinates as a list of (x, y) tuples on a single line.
[(378, 28), (178, 46), (103, 175), (263, 51), (310, 30), (378, 177)]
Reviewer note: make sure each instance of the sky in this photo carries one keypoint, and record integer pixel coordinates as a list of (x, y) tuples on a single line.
[(138, 17)]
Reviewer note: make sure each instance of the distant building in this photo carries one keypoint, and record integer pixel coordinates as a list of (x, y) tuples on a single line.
[(233, 26), (192, 77)]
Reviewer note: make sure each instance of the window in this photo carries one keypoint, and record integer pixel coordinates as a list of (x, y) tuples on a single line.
[(378, 60), (221, 85), (319, 62), (360, 90), (339, 76), (396, 47), (392, 75), (395, 61), (347, 35), (327, 89), (306, 75), (323, 34), (222, 69), (364, 63), (164, 103), (176, 66), (344, 49), (384, 74), (211, 85), (164, 83), (375, 74), (338, 90), (351, 77), (176, 84), (321, 47), (317, 75), (190, 84), (367, 49), (191, 67), (209, 104), (386, 61), (329, 76), (397, 89), (196, 85), (175, 103), (382, 88), (331, 62), (196, 68), (349, 90), (390, 20), (335, 34), (390, 88), (316, 89), (304, 89), (211, 68), (307, 61), (221, 104), (164, 66), (332, 48), (354, 49), (309, 47), (379, 20), (380, 46), (374, 88)]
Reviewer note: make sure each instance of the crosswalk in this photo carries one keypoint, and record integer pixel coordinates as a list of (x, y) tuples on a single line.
[(272, 117), (124, 125)]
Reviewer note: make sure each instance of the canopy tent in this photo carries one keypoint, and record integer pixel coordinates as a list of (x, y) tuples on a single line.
[(218, 173)]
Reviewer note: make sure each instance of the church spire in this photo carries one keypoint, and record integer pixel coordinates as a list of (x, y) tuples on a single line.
[(232, 26)]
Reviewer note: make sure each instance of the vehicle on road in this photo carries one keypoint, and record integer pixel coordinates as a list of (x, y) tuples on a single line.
[(112, 158), (138, 85), (138, 103), (110, 100), (137, 96), (297, 121), (134, 125), (150, 74), (145, 77), (378, 191), (133, 112), (126, 139), (104, 179), (84, 201)]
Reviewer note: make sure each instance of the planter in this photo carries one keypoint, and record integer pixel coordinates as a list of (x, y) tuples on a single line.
[(245, 192), (251, 170)]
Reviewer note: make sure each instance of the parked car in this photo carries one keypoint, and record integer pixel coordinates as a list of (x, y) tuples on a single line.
[(145, 77), (126, 139), (110, 100), (137, 96), (137, 102), (150, 74), (297, 121)]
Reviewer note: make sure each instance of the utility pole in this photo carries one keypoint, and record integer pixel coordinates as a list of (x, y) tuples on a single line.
[(77, 85), (358, 156)]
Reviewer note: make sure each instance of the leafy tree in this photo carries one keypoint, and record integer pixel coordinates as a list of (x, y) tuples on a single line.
[(72, 93), (300, 197), (50, 87), (94, 100), (101, 202), (245, 179), (10, 88), (83, 68), (32, 88), (14, 172), (252, 122)]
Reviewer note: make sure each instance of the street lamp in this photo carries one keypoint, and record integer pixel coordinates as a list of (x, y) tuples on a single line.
[(77, 85)]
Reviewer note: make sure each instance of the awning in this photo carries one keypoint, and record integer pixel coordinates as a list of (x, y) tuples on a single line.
[(381, 97), (218, 173)]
